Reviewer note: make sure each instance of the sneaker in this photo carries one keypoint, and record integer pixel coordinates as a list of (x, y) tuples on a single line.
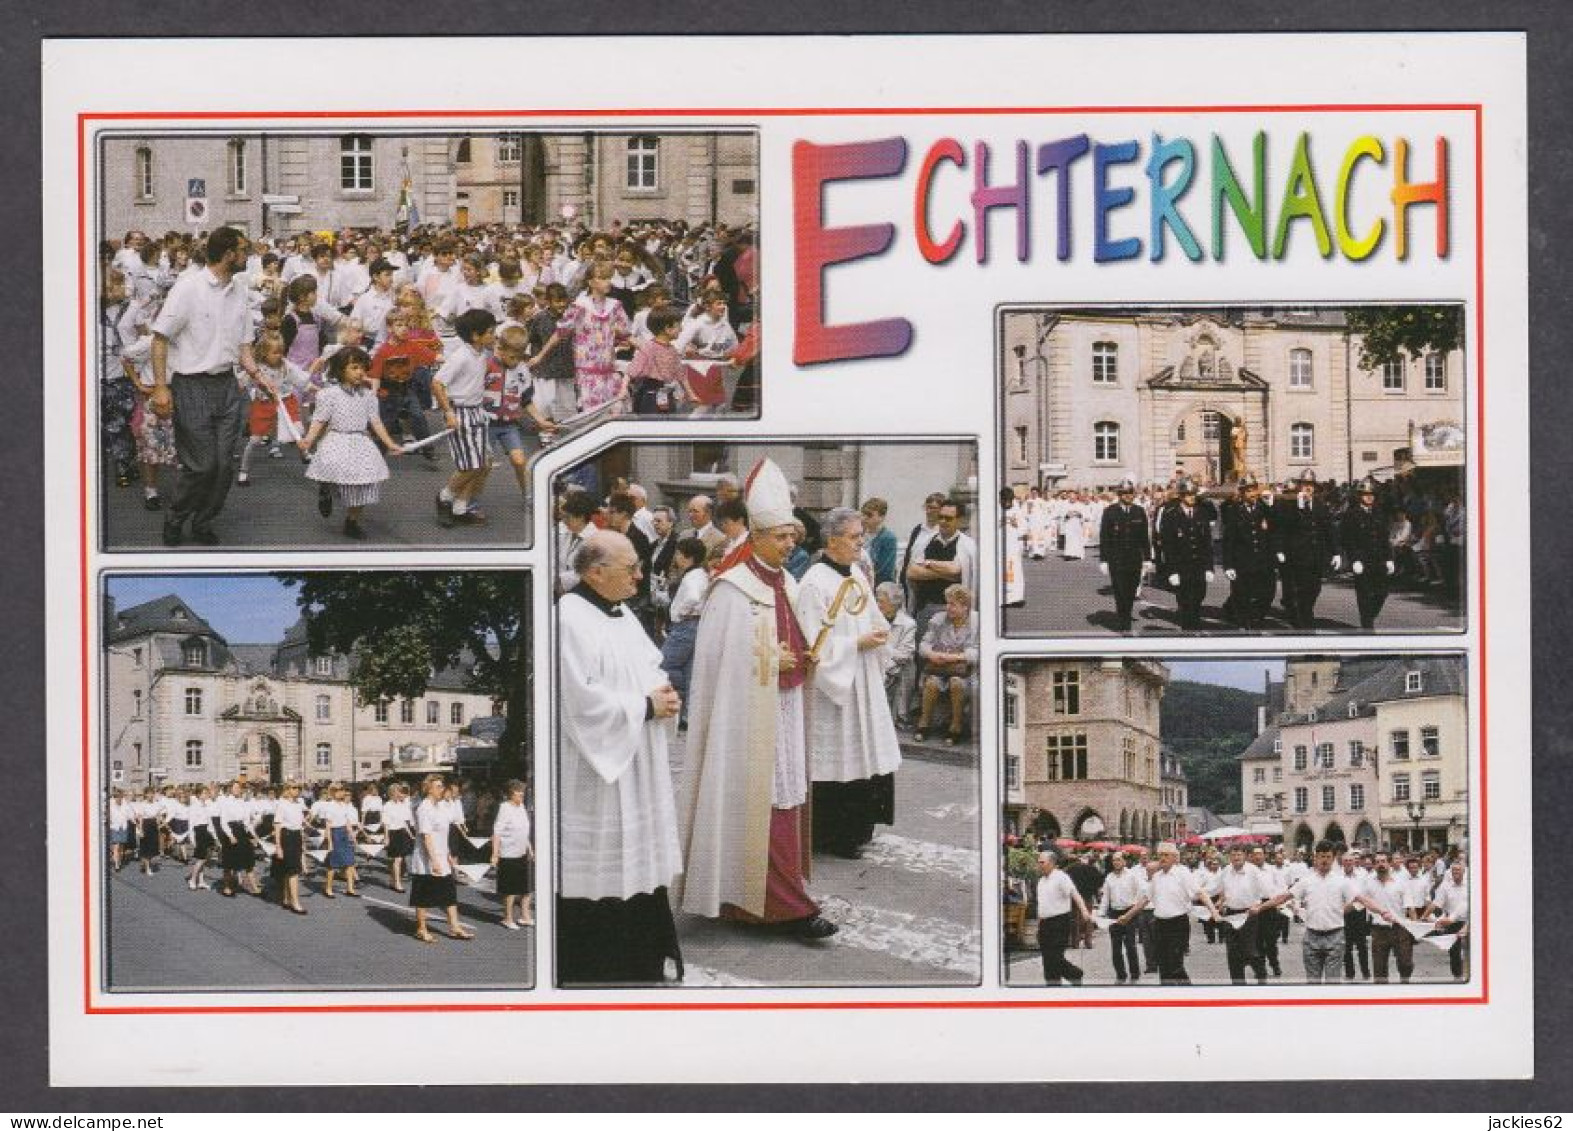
[(243, 480), (275, 453)]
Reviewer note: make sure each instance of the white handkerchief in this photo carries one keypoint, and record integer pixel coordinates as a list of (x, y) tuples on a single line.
[(373, 850), (1441, 942), (1416, 927), (1202, 914), (474, 871), (1101, 923), (317, 854), (478, 841), (1236, 921)]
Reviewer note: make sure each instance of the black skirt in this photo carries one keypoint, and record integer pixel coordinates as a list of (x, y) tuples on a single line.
[(433, 891), (616, 942), (204, 842), (147, 838), (289, 863), (238, 854), (514, 875), (400, 843)]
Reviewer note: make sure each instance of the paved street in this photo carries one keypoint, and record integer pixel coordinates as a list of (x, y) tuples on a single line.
[(1074, 598), (163, 936), (1206, 964), (908, 910), (279, 508)]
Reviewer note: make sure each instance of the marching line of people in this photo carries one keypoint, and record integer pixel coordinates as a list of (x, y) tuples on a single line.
[(1353, 907), (295, 829), (214, 351), (1285, 543)]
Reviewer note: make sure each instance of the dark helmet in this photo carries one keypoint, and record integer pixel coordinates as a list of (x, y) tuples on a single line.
[(1185, 487), (1367, 486), (1127, 486)]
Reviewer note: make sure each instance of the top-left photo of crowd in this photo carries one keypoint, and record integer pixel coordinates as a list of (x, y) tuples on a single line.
[(331, 341)]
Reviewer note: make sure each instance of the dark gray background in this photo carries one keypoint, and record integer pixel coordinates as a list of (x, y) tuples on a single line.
[(23, 958)]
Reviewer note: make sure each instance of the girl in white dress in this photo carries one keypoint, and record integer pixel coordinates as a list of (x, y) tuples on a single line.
[(347, 462)]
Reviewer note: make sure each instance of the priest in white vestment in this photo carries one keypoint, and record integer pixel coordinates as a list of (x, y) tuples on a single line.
[(852, 748), (1013, 537), (618, 820), (744, 785)]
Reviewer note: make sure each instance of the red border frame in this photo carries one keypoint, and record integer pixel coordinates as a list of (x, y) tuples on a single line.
[(84, 121)]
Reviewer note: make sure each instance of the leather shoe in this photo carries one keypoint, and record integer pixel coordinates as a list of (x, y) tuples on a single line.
[(814, 927), (173, 536)]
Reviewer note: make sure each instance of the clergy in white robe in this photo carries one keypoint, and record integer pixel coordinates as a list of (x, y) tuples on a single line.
[(852, 747), (745, 770), (617, 819), (1013, 538)]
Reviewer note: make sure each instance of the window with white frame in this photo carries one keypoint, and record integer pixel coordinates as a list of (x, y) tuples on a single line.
[(1356, 797), (456, 714), (324, 755), (1324, 755), (1302, 441), (1106, 442), (194, 754), (1356, 753), (1021, 443), (1436, 373), (1431, 786), (1105, 363), (143, 167), (1430, 742), (1212, 426), (195, 653), (1010, 710), (1398, 744), (643, 162), (1012, 773), (323, 665), (510, 198), (1413, 682), (1301, 756), (407, 711), (1300, 369), (1400, 787), (1329, 798), (1259, 775), (1278, 773), (355, 163), (324, 709), (433, 712), (509, 149), (236, 164), (193, 700), (1302, 799), (1393, 376), (379, 711), (1067, 693)]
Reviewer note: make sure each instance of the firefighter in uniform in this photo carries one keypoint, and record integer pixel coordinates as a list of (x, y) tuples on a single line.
[(1248, 558), (1303, 530), (1125, 550), (1363, 540), (1188, 552)]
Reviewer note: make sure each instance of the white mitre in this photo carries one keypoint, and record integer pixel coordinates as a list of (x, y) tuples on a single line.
[(768, 496)]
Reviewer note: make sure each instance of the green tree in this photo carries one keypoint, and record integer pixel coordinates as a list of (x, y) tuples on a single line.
[(1389, 333), (400, 627)]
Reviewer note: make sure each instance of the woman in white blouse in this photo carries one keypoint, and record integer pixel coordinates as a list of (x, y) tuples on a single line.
[(511, 857), (150, 826), (201, 812), (119, 827), (399, 821), (431, 872), (289, 846), (232, 823)]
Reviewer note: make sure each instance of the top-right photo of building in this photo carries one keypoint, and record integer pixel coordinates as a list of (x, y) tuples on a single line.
[(1232, 470)]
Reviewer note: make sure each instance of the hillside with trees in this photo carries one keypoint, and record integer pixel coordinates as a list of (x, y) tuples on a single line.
[(1208, 726)]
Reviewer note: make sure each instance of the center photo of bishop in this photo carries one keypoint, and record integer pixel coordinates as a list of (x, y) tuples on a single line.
[(751, 787)]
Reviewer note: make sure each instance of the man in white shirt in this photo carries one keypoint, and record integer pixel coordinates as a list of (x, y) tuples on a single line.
[(1172, 891), (374, 303), (1384, 894), (1357, 924), (1271, 924), (619, 837), (1243, 890), (1122, 899), (1057, 898), (202, 332), (1322, 896), (1451, 902)]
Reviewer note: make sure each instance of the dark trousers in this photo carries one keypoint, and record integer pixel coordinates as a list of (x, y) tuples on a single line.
[(1371, 592), (1149, 941), (1391, 941), (1357, 944), (1174, 936), (1240, 949), (1302, 589), (1122, 947), (1455, 956), (1268, 924), (1126, 580), (1188, 597), (1053, 937), (208, 420), (1249, 595), (402, 401)]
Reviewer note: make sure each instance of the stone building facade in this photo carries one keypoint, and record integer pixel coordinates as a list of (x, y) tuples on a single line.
[(183, 705), (1092, 396), (357, 180), (1082, 749)]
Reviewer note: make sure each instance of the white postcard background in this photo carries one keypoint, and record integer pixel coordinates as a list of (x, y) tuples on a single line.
[(943, 385)]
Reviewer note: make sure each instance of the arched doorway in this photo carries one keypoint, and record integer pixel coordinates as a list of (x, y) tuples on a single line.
[(1089, 826), (1125, 824), (1303, 838), (262, 759), (1045, 825), (1335, 833), (1365, 835), (1204, 445)]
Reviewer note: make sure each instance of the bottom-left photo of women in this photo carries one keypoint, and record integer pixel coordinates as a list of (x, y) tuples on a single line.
[(317, 779)]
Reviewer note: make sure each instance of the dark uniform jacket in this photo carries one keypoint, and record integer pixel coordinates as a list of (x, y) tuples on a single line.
[(1363, 535), (1187, 542), (1123, 537), (1304, 536), (1247, 536)]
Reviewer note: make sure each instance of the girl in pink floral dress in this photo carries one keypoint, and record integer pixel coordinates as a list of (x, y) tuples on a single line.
[(596, 323)]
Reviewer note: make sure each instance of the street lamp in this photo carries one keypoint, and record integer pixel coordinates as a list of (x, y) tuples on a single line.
[(1417, 813)]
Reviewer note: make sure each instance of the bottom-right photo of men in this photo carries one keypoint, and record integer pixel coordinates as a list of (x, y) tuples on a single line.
[(1246, 821)]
